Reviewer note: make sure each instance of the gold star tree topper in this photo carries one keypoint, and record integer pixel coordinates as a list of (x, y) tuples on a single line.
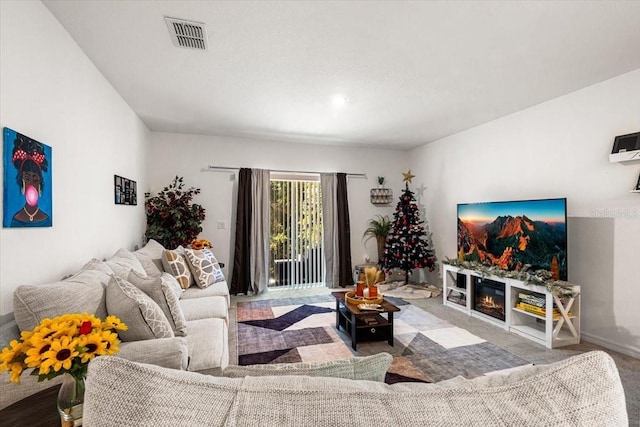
[(408, 176)]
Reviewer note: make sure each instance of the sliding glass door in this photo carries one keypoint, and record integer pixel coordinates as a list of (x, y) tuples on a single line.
[(296, 231)]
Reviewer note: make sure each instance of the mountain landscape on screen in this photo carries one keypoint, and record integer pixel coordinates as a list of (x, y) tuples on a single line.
[(511, 235)]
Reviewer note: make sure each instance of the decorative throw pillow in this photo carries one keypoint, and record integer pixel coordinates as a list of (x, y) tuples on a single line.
[(122, 262), (175, 264), (217, 270), (370, 368), (160, 290), (150, 268), (150, 256), (204, 266), (84, 291), (173, 284), (139, 312), (96, 264)]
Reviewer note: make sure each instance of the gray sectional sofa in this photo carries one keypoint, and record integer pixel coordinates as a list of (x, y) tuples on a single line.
[(171, 327), (584, 390)]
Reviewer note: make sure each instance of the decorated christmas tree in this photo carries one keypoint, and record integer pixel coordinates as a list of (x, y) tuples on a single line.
[(407, 246)]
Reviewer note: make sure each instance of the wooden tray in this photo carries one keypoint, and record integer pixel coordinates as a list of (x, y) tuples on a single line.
[(351, 298)]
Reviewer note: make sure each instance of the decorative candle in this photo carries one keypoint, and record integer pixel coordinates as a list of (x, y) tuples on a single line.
[(359, 289), (373, 291), (365, 292)]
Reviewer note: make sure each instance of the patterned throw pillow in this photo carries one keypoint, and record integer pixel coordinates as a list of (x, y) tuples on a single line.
[(173, 284), (139, 312), (161, 290), (204, 266), (175, 264), (217, 270)]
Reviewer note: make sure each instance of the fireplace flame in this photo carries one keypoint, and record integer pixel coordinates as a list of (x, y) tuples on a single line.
[(487, 301)]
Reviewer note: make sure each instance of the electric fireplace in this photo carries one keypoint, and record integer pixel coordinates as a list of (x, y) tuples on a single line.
[(489, 297)]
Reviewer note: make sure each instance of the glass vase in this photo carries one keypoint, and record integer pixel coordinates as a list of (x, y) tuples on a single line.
[(70, 401)]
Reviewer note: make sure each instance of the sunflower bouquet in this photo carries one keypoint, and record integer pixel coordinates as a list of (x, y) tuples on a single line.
[(199, 244), (64, 344)]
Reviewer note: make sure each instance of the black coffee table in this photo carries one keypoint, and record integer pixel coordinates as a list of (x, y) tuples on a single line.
[(364, 325)]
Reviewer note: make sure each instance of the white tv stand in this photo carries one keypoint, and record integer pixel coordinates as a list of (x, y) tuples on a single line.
[(550, 331)]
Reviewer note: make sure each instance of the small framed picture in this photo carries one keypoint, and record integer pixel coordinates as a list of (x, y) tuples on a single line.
[(125, 191)]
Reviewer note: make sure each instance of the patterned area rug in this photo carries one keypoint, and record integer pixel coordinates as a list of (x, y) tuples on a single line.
[(426, 348)]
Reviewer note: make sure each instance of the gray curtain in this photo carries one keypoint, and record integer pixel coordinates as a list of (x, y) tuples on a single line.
[(329, 185), (260, 230)]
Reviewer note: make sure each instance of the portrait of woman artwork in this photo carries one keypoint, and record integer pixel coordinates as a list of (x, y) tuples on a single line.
[(27, 181)]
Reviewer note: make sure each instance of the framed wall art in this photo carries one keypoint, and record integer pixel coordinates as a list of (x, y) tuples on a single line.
[(125, 191), (27, 185)]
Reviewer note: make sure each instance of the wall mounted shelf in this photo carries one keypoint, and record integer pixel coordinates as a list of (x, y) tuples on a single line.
[(381, 196), (625, 148), (625, 156)]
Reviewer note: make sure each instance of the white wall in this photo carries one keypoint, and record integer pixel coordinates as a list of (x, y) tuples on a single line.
[(557, 149), (187, 155), (54, 94)]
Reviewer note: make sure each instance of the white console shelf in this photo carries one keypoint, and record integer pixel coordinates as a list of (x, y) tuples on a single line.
[(546, 329)]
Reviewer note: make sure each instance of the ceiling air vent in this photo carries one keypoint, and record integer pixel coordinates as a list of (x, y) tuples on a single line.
[(188, 34)]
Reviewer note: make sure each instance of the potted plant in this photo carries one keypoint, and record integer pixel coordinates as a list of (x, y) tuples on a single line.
[(378, 227), (172, 217)]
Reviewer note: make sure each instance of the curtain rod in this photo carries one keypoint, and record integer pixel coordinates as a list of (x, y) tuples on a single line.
[(211, 168)]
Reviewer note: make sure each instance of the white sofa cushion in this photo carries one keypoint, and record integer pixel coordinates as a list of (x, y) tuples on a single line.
[(584, 390), (205, 308), (137, 310), (170, 353), (208, 344), (220, 289)]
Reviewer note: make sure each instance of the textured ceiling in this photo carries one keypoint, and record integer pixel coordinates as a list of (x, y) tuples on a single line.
[(412, 72)]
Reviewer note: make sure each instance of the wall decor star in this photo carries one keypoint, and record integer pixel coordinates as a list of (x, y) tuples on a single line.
[(408, 176), (420, 190)]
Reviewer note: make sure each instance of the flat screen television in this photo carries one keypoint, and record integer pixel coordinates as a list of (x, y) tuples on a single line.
[(513, 234)]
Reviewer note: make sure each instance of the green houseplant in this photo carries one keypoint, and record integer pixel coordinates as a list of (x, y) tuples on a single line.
[(378, 227), (172, 217)]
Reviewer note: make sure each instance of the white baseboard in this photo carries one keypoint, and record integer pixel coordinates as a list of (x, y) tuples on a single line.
[(610, 345)]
